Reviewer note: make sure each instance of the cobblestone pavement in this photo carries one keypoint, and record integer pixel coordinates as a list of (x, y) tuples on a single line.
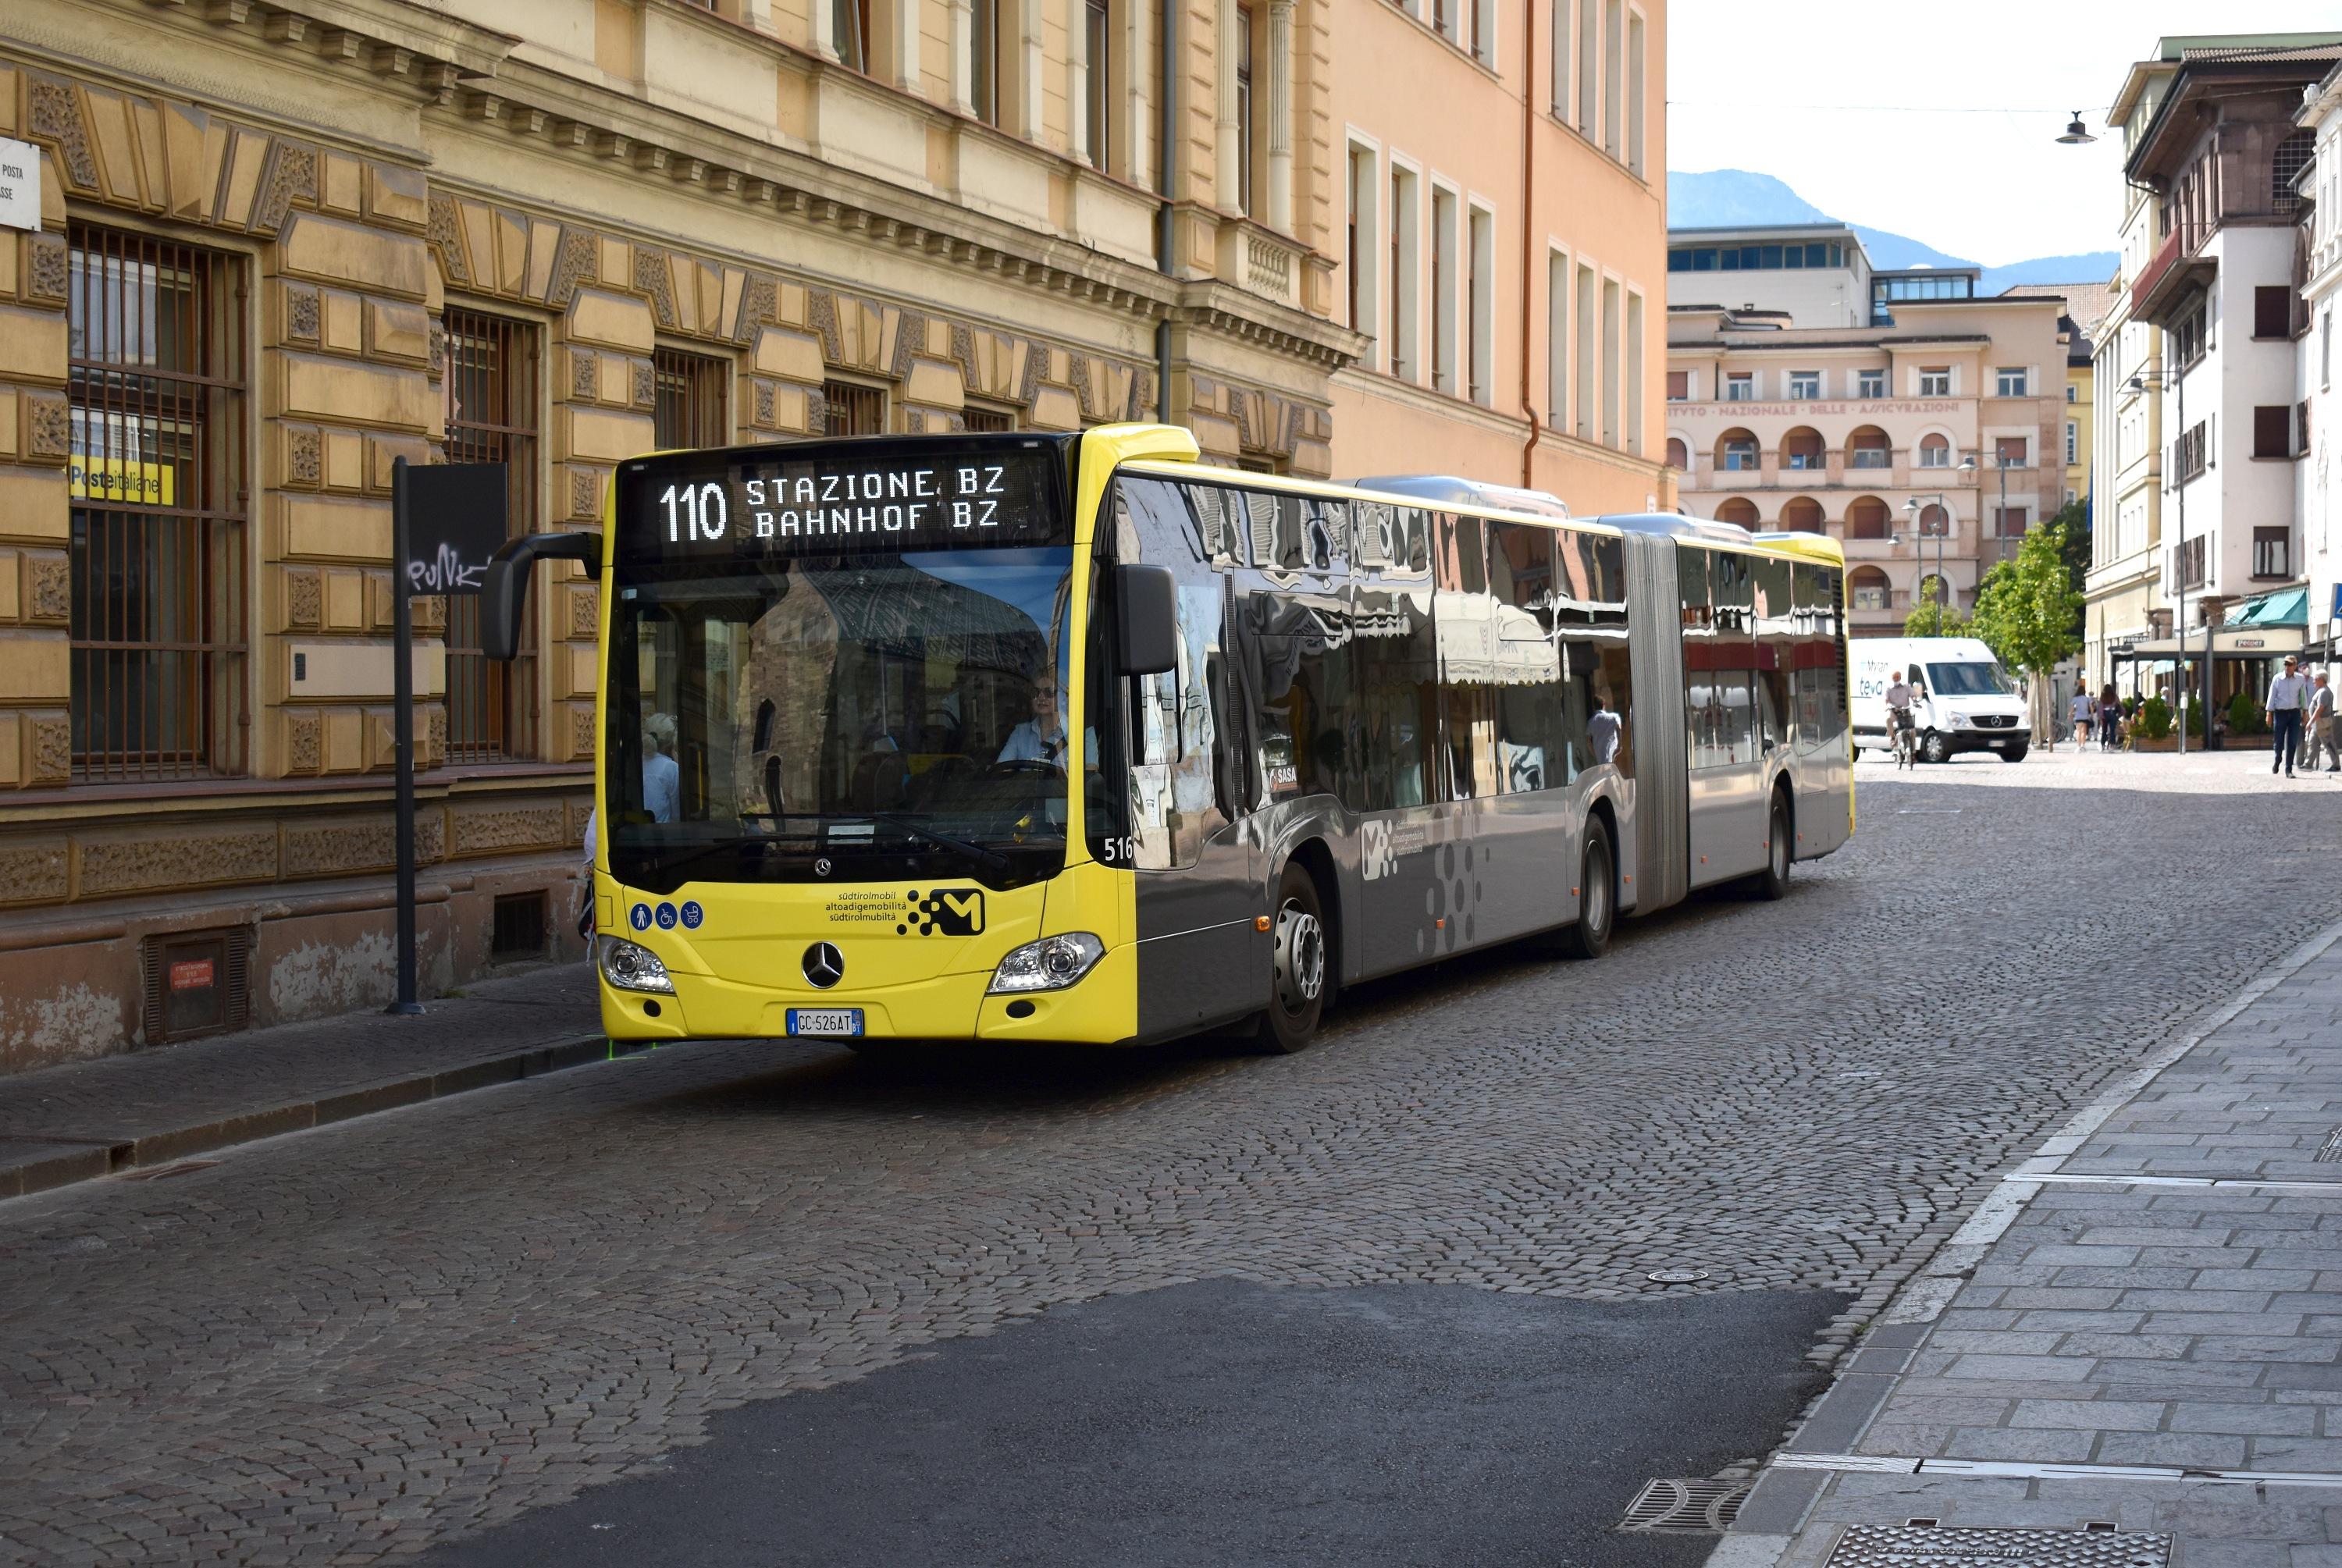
[(350, 1343), (2125, 1315)]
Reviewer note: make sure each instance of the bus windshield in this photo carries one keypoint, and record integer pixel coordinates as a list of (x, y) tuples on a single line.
[(853, 702), (1967, 680), (882, 715)]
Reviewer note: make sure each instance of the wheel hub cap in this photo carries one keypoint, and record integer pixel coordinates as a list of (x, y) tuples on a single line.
[(1300, 957)]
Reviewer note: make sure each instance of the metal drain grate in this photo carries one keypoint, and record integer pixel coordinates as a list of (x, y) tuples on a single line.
[(1901, 1546), (2330, 1151), (1704, 1507), (164, 1172)]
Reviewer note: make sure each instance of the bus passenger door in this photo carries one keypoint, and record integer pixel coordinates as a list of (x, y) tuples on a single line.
[(1727, 760), (1200, 959)]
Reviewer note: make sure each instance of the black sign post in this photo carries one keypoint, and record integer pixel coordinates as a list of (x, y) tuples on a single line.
[(445, 520)]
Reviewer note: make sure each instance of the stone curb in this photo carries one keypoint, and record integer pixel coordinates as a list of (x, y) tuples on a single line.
[(33, 1165)]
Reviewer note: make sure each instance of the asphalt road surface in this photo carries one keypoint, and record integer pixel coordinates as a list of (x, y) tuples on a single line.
[(1369, 1302)]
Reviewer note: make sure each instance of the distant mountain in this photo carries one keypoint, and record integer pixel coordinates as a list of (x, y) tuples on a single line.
[(1725, 196)]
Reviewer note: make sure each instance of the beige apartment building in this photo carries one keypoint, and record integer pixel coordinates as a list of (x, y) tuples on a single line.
[(281, 245), (1503, 254), (1896, 411)]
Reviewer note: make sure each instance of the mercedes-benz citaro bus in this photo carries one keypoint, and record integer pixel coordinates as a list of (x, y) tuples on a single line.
[(1072, 738)]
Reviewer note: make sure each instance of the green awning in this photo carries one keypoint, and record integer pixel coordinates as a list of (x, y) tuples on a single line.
[(2286, 607)]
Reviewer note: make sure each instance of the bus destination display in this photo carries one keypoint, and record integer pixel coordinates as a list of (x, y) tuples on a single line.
[(841, 505)]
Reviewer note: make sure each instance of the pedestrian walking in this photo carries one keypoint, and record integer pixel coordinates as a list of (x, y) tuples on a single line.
[(2081, 710), (2288, 695), (2320, 730), (2110, 716)]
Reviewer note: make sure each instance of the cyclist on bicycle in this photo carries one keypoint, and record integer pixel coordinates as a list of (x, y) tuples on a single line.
[(1900, 721)]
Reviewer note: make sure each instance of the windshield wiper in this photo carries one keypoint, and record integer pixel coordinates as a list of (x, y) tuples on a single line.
[(708, 852), (990, 859)]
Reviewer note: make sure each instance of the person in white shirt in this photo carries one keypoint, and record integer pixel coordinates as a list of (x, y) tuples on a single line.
[(662, 780), (1602, 732), (2288, 696), (1899, 718), (2318, 733), (1042, 737)]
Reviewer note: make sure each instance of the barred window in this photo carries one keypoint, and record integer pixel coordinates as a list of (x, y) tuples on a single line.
[(156, 410), (491, 393), (851, 409), (689, 408), (977, 417)]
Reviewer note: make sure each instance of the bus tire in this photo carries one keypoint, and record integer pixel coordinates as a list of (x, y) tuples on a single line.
[(1773, 882), (1300, 966), (1597, 907)]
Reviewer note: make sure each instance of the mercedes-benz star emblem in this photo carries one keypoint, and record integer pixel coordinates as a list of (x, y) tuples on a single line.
[(824, 964), (821, 865)]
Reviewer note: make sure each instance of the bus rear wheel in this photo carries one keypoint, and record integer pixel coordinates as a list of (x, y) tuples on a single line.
[(1597, 899), (1300, 977)]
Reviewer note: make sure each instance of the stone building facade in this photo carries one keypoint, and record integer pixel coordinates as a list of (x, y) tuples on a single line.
[(282, 246), (1503, 253), (1924, 431)]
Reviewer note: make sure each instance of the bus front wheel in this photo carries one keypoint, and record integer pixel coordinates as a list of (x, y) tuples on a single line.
[(1300, 975)]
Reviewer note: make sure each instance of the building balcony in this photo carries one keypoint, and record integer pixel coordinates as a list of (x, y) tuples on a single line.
[(2177, 264)]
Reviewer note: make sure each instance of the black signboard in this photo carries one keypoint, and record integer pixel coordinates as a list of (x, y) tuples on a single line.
[(446, 521), (454, 519), (847, 499)]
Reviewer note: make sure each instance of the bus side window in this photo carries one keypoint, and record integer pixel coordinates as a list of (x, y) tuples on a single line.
[(1468, 656), (1397, 654), (1536, 723)]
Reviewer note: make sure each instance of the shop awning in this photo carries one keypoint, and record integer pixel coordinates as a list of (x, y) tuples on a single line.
[(2286, 607), (2227, 642)]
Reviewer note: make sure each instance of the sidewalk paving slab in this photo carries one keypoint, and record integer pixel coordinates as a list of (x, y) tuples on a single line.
[(2111, 1327), (148, 1108)]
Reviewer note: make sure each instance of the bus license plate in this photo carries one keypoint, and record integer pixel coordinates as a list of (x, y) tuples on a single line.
[(825, 1020)]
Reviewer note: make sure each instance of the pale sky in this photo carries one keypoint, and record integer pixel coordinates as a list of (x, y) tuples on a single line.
[(1854, 104)]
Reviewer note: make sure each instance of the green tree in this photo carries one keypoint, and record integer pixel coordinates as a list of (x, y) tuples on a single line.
[(2073, 517), (1930, 619), (2028, 612)]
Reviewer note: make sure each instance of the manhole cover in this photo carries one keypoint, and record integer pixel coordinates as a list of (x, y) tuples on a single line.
[(1901, 1546), (1676, 1276), (164, 1172), (1704, 1507)]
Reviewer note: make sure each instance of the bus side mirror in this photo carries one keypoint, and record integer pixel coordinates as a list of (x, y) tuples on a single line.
[(1148, 600), (504, 587)]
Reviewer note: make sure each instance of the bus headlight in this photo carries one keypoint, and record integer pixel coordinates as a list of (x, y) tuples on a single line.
[(1051, 963), (630, 967)]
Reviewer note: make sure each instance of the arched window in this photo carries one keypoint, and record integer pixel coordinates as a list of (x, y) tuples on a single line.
[(1802, 448), (1867, 519), (1935, 451), (1867, 448), (1678, 455), (1866, 588), (1935, 520), (1739, 509), (1803, 514), (1735, 452)]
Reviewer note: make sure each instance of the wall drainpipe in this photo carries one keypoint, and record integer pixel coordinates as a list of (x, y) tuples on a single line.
[(1166, 236), (1528, 238)]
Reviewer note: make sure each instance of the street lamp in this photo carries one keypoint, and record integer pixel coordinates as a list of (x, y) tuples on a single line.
[(2176, 382), (2075, 132), (1943, 586)]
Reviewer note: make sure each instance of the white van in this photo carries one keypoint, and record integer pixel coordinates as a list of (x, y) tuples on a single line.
[(1967, 701)]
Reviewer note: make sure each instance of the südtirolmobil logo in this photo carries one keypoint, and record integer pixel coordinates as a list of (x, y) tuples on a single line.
[(943, 912)]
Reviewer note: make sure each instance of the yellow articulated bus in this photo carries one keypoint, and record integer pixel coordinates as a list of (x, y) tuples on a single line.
[(1073, 738)]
